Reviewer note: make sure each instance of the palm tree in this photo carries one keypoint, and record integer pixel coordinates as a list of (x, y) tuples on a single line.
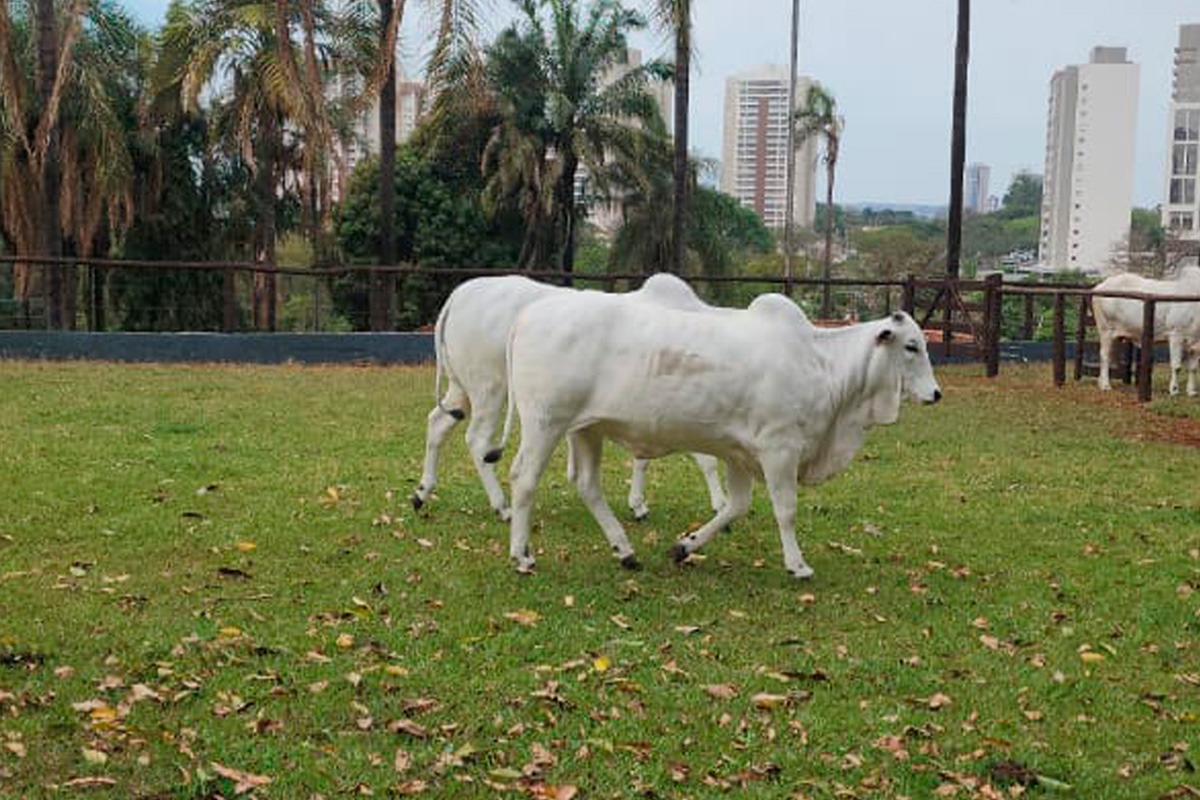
[(269, 61), (819, 118), (65, 166), (567, 99), (676, 17)]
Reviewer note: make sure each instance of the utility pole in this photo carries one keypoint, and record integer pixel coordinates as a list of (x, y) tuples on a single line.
[(790, 189), (958, 143)]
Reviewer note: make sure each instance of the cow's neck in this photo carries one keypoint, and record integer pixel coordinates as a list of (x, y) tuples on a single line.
[(859, 394)]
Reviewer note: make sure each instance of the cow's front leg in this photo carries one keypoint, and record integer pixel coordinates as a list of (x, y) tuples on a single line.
[(527, 467), (780, 474), (637, 489), (1193, 364), (740, 484), (1175, 345), (586, 448)]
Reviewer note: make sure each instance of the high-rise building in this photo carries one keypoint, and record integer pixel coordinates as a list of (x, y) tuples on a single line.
[(754, 152), (1181, 211), (1087, 189), (364, 139), (975, 198)]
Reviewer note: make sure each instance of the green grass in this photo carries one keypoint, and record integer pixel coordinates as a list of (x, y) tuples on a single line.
[(1008, 576)]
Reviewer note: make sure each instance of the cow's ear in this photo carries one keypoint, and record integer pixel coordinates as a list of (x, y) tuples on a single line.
[(885, 335)]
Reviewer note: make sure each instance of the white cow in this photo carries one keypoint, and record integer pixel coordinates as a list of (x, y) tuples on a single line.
[(469, 340), (762, 389), (1177, 323)]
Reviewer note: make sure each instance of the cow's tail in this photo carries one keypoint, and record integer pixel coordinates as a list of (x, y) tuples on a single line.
[(441, 366), (493, 455)]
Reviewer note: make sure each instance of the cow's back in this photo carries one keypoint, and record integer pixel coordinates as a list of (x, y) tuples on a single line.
[(645, 373), (472, 329), (1123, 317)]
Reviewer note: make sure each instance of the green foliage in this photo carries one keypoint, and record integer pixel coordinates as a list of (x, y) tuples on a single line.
[(1023, 198), (231, 576), (437, 224)]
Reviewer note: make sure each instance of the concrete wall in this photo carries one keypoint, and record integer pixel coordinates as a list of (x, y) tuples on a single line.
[(247, 348)]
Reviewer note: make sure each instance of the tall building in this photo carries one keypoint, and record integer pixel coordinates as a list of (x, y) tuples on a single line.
[(975, 198), (754, 151), (364, 139), (1087, 196), (1181, 211)]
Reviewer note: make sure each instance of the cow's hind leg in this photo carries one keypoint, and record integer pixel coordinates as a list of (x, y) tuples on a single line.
[(1105, 348), (712, 479), (1193, 364), (587, 448), (530, 462), (740, 485), (442, 419), (486, 416)]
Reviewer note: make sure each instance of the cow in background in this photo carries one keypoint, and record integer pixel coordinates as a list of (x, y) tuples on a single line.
[(1176, 323), (469, 341), (762, 389)]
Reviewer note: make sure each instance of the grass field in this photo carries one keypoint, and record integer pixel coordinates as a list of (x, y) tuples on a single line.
[(212, 585)]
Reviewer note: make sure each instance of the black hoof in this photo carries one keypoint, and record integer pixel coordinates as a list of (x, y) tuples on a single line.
[(679, 553), (641, 517), (492, 456), (417, 502), (458, 414), (631, 563)]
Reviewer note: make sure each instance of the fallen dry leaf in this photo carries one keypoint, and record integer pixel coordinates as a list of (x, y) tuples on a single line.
[(524, 616), (242, 781), (721, 691)]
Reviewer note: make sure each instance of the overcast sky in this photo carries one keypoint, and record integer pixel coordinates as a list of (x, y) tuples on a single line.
[(891, 67)]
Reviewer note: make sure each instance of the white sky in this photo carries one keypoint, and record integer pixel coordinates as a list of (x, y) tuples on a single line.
[(891, 67)]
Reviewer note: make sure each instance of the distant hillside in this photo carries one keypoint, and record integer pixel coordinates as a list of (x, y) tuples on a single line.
[(923, 210)]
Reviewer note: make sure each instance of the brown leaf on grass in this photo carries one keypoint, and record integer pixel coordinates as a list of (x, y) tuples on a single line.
[(89, 782), (409, 728), (420, 705), (721, 691), (547, 791), (524, 616), (402, 761), (934, 701), (415, 786), (16, 748), (242, 781)]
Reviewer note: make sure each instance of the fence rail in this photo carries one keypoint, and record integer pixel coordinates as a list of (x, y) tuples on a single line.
[(968, 319)]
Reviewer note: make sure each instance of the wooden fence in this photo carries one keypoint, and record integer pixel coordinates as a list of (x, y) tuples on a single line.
[(964, 318)]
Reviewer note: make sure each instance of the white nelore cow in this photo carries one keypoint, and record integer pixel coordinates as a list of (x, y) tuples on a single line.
[(762, 389), (469, 341), (1177, 323)]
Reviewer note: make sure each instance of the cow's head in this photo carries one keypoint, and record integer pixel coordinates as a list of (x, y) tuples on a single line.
[(903, 359)]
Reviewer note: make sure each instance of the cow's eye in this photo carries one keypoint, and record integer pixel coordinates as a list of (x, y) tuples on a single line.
[(912, 347)]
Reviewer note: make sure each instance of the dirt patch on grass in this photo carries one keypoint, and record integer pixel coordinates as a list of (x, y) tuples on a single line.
[(1144, 423)]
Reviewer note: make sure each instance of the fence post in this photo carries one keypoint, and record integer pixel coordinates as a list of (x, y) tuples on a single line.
[(1146, 364), (229, 301), (910, 295), (1081, 334), (1060, 340), (993, 310)]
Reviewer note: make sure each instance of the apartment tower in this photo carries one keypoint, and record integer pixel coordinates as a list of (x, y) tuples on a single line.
[(1181, 211), (1087, 196), (976, 198), (754, 151)]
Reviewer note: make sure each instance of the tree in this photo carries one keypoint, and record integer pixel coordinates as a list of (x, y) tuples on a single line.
[(675, 16), (65, 166), (819, 118), (567, 99), (1024, 197)]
